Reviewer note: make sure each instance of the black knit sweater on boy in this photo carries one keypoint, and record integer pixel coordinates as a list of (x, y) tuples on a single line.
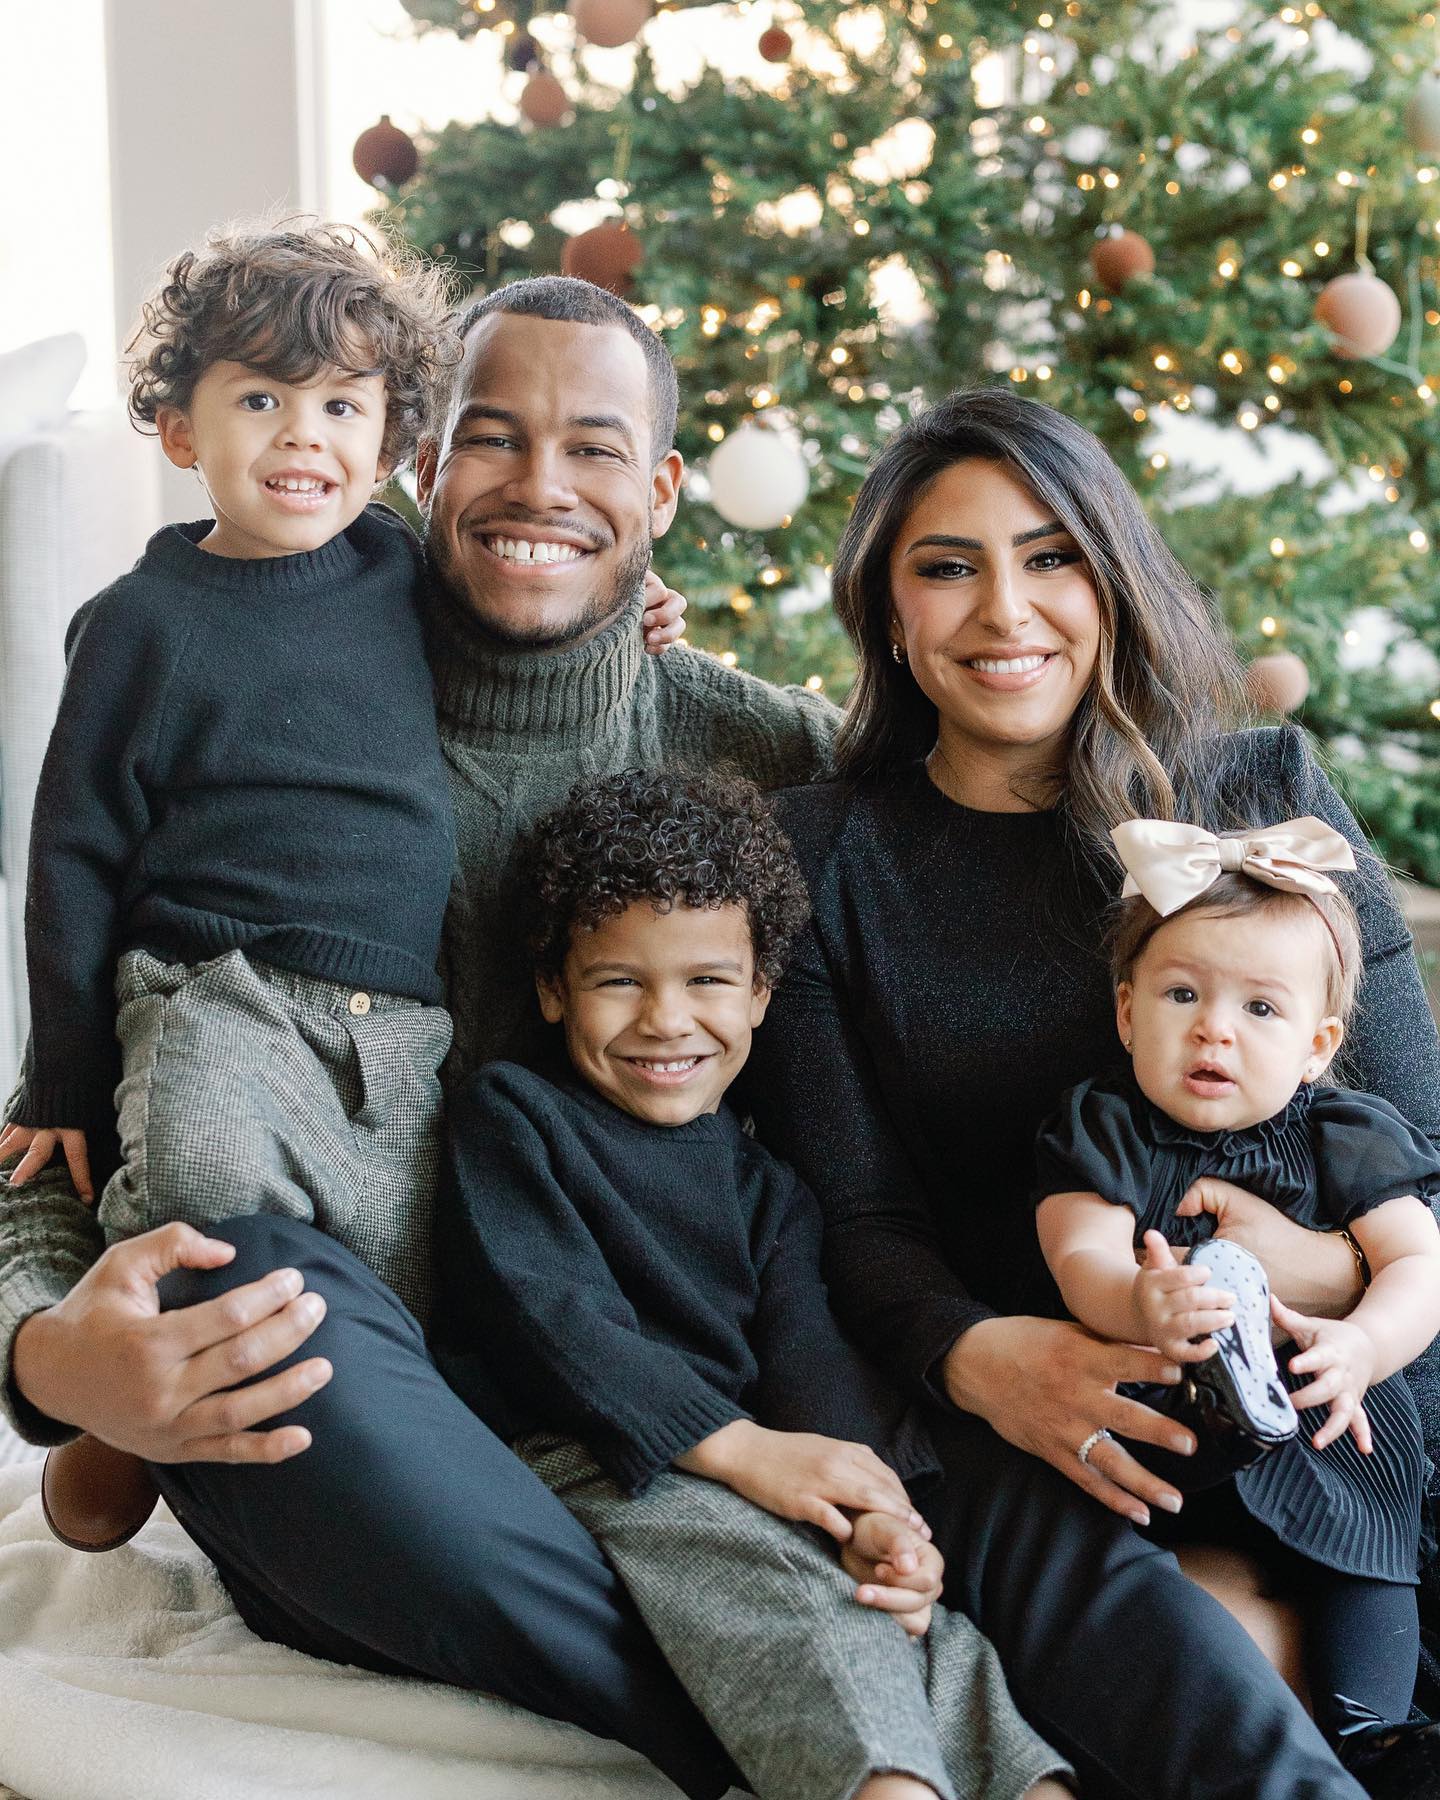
[(245, 757), (636, 1287)]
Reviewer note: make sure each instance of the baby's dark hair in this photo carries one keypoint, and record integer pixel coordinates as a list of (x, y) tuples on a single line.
[(1232, 896), (665, 838), (288, 301)]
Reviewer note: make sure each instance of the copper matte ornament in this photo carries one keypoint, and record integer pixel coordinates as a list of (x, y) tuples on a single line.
[(384, 155), (1362, 312), (609, 23), (543, 101), (1278, 683), (608, 255), (775, 45), (1120, 258)]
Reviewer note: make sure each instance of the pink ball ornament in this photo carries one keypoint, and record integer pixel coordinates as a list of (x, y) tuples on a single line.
[(1278, 683), (543, 101), (1362, 312), (608, 23), (1121, 257)]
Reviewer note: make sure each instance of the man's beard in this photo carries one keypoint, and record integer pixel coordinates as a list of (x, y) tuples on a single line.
[(595, 612)]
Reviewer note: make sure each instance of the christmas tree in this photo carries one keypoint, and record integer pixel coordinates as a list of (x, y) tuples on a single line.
[(1126, 218)]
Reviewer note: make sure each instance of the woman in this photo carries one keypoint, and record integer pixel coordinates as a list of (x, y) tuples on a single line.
[(1034, 667)]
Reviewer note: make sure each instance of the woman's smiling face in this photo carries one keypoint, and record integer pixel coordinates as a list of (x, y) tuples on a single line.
[(995, 609)]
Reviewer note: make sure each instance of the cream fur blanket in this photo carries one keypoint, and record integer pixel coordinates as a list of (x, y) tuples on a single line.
[(130, 1677)]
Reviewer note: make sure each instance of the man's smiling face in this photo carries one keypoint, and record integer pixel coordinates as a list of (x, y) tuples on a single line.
[(543, 497)]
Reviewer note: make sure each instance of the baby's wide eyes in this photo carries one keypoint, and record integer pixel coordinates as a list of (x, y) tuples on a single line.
[(1182, 996), (1262, 1009)]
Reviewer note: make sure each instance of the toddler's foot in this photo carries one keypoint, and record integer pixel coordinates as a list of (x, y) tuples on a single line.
[(95, 1497), (1395, 1762)]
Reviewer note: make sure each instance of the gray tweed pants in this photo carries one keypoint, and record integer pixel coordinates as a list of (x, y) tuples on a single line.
[(248, 1089), (810, 1692)]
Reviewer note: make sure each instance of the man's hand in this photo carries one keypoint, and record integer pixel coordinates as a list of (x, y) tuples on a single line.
[(1315, 1268), (664, 619), (1045, 1385), (799, 1475), (38, 1144), (1341, 1358), (1175, 1305), (897, 1568), (162, 1385)]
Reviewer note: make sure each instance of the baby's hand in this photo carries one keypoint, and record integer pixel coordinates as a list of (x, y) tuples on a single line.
[(1342, 1359), (897, 1568), (38, 1143), (1175, 1306), (664, 619)]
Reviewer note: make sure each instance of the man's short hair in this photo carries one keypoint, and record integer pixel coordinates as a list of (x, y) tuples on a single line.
[(573, 302)]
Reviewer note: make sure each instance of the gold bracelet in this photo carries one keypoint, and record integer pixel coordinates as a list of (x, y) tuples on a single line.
[(1362, 1262)]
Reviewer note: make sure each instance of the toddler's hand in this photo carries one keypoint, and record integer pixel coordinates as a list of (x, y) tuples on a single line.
[(1342, 1359), (38, 1143), (897, 1569), (800, 1475), (664, 619), (1176, 1306)]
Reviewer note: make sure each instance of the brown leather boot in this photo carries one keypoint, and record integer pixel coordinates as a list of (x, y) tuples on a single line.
[(95, 1497)]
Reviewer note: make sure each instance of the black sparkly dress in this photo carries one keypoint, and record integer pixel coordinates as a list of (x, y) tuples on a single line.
[(1330, 1157)]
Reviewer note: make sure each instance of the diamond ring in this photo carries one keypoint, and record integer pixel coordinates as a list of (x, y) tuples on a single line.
[(1095, 1437)]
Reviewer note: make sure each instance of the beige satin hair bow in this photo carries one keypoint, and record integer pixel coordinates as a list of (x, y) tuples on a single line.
[(1171, 864)]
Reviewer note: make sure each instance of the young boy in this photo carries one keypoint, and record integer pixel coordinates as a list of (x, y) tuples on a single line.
[(642, 1283), (245, 756)]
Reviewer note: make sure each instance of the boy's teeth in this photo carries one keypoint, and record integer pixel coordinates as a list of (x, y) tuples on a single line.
[(524, 551), (298, 484), (668, 1068), (1010, 665)]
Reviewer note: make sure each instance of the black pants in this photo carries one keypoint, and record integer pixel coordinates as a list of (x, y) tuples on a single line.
[(1146, 1683), (409, 1539)]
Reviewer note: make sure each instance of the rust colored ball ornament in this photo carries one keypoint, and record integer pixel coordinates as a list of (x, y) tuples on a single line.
[(384, 155), (543, 101), (608, 255), (1362, 312), (775, 45), (1120, 258), (1278, 683), (608, 23), (1422, 115)]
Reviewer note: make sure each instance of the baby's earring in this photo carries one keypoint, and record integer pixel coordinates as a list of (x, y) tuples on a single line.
[(1129, 1044)]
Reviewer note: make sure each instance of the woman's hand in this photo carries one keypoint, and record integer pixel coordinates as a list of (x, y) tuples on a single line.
[(1046, 1385), (799, 1475), (897, 1570), (1317, 1269), (664, 619), (38, 1145), (1341, 1358)]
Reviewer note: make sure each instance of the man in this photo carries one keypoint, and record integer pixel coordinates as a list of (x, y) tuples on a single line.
[(408, 1538)]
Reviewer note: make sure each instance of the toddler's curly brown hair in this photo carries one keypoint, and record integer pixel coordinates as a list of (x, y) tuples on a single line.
[(666, 838), (289, 300)]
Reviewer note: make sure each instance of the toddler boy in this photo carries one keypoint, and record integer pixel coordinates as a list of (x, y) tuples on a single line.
[(641, 1283)]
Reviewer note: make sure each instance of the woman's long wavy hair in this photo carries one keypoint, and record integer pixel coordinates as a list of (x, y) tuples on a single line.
[(1166, 682)]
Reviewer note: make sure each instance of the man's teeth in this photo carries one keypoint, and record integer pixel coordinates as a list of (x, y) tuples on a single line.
[(667, 1068), (523, 550), (298, 484), (1010, 665)]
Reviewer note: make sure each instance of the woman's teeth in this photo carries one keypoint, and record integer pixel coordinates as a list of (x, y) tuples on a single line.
[(523, 550), (1010, 665)]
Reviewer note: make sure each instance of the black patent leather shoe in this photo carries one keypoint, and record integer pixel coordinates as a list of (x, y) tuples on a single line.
[(1239, 1401), (1394, 1762)]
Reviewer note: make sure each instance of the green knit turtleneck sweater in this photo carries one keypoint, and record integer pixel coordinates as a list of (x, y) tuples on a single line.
[(519, 727)]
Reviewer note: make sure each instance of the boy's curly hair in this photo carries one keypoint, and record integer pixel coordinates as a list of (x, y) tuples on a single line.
[(704, 840), (290, 300)]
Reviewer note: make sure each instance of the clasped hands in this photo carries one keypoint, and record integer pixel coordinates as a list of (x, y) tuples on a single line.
[(844, 1489)]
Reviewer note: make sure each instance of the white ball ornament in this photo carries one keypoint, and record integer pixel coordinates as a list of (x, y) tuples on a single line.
[(1422, 115), (758, 478), (1362, 312), (609, 23), (1278, 682)]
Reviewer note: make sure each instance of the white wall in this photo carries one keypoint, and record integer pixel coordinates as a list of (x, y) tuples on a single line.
[(216, 112)]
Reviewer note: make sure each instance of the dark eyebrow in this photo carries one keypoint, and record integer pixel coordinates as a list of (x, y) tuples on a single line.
[(485, 409), (940, 540), (481, 409)]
